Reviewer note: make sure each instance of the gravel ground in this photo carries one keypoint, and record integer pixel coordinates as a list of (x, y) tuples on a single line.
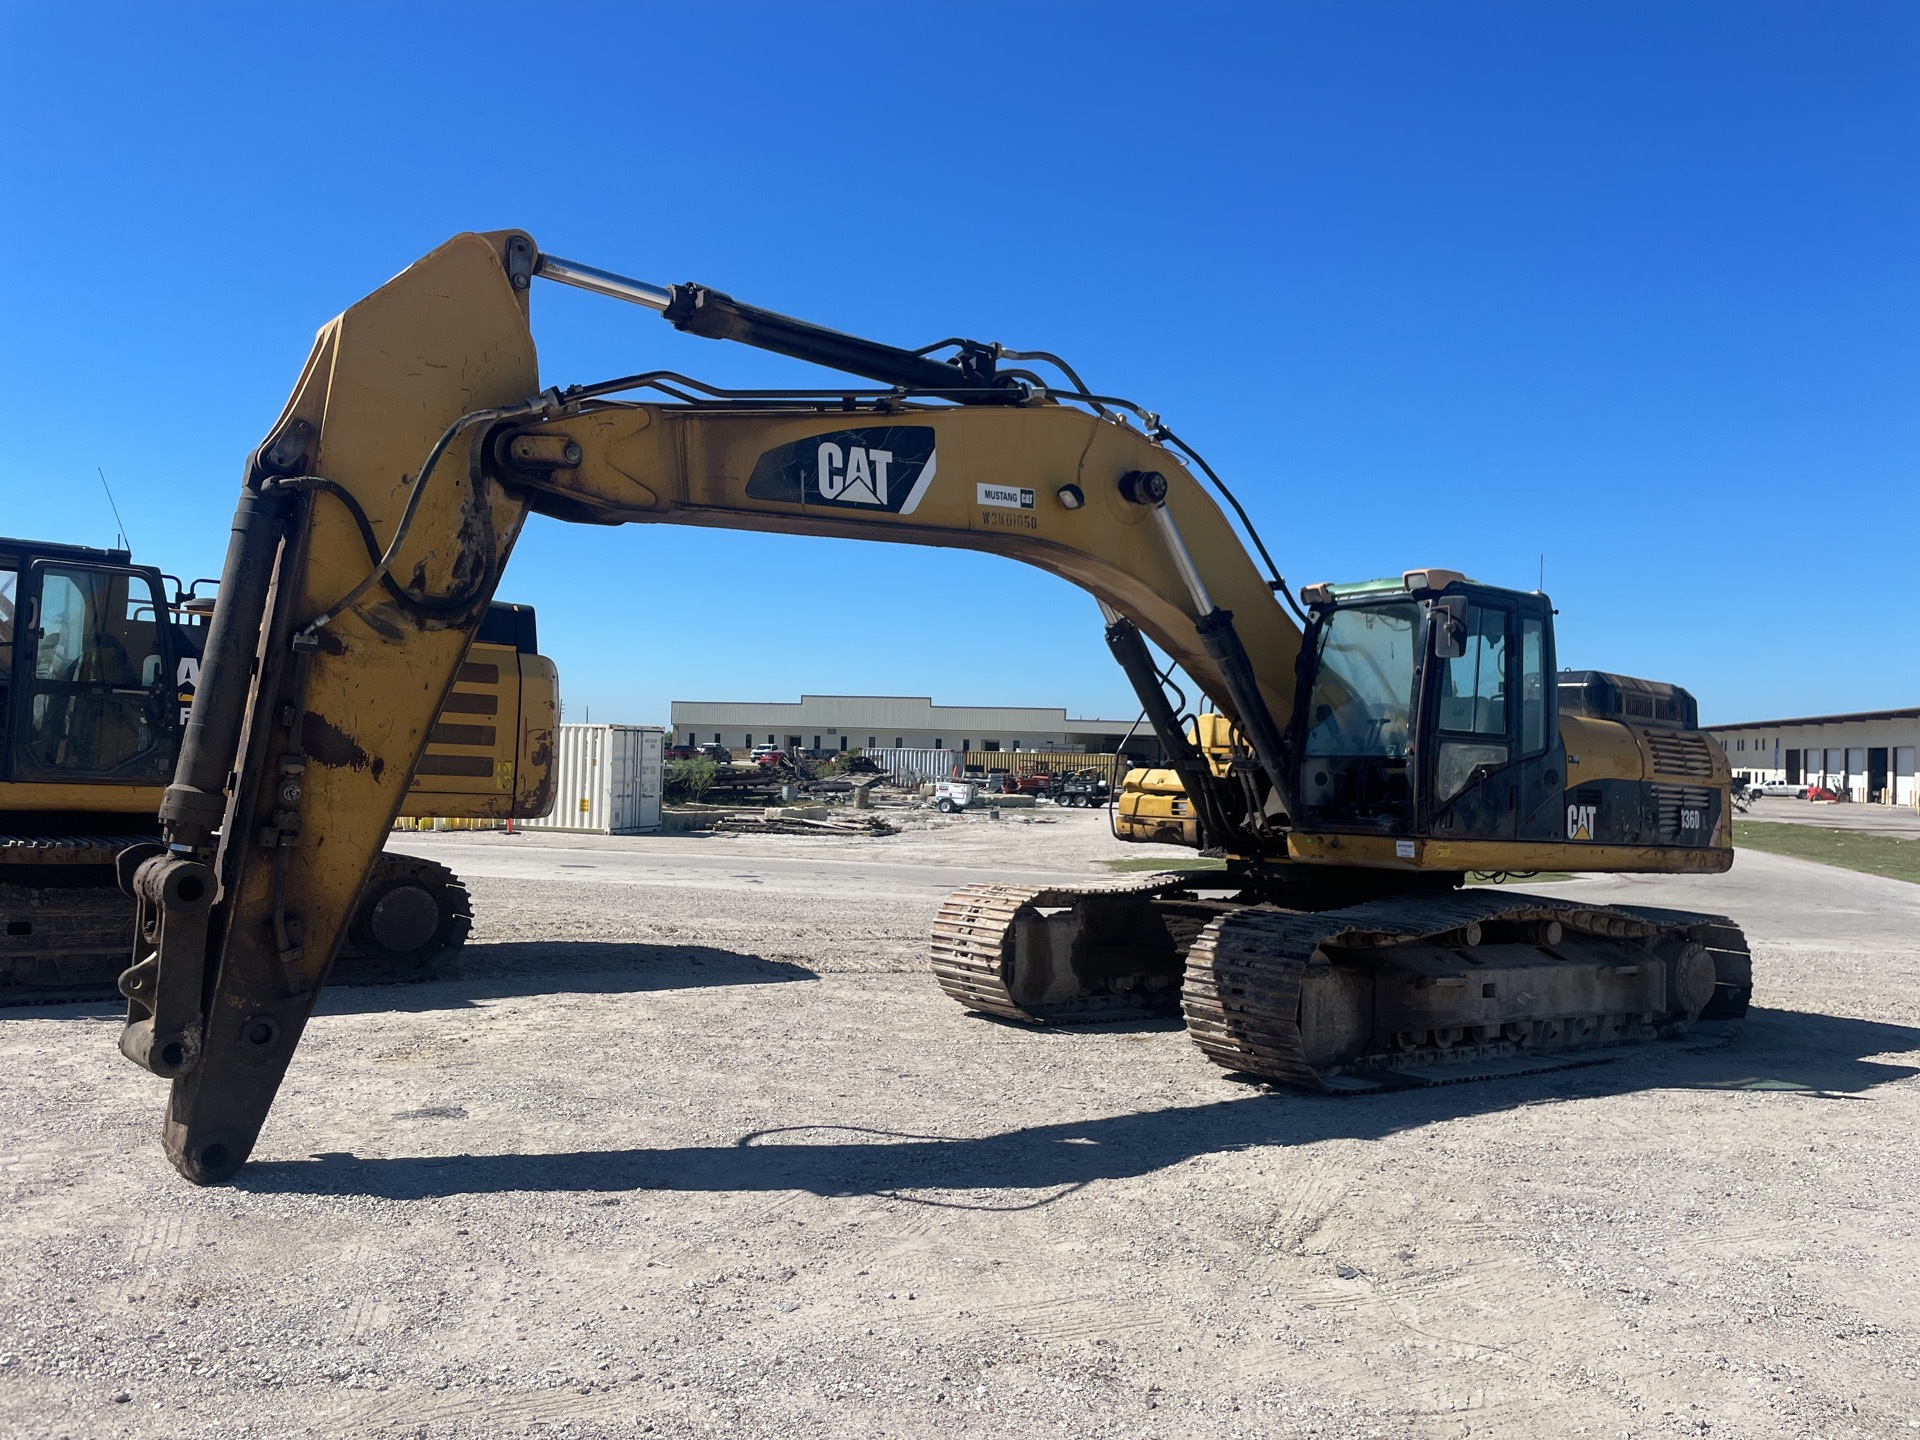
[(690, 1145)]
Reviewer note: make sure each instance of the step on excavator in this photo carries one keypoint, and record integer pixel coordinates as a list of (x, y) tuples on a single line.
[(1366, 748), (99, 659)]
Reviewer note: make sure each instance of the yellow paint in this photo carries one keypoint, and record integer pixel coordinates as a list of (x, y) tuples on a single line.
[(1600, 750), (445, 337), (1379, 852)]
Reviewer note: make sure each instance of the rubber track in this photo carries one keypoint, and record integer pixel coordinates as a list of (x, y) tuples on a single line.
[(1241, 994), (973, 937), (361, 961), (89, 965), (66, 849)]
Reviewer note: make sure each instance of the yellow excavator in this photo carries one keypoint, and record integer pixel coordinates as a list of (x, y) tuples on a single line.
[(1366, 748), (99, 659)]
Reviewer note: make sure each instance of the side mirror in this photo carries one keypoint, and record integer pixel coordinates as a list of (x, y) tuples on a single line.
[(1449, 627)]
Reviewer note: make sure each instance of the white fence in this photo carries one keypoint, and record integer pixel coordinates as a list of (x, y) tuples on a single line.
[(915, 767)]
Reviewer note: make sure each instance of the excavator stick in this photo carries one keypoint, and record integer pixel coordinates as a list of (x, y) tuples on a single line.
[(351, 654)]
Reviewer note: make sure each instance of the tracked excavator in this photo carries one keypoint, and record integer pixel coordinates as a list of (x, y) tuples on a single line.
[(99, 659), (1353, 767)]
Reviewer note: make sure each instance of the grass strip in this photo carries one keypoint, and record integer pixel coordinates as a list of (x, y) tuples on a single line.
[(1149, 864), (1893, 856)]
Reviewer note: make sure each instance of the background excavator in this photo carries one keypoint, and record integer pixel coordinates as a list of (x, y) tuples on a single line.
[(99, 660), (1351, 775)]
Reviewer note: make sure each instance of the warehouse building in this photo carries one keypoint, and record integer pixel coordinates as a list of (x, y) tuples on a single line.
[(893, 722), (1870, 755)]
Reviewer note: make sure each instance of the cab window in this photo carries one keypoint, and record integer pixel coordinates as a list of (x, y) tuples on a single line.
[(1355, 766), (9, 594), (9, 597), (1363, 685), (1473, 685), (100, 698), (97, 626), (1533, 685)]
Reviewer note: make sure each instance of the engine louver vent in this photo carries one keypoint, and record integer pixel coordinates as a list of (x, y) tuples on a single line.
[(1684, 811), (1681, 755)]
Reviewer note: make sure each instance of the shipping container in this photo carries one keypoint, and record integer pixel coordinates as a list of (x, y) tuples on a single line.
[(606, 779)]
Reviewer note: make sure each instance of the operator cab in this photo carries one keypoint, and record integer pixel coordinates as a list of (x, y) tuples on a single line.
[(89, 667), (1426, 707)]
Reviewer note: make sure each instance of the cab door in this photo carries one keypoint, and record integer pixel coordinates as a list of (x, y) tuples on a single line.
[(1493, 761), (96, 677)]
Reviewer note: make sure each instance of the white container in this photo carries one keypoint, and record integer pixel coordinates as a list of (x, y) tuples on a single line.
[(606, 781)]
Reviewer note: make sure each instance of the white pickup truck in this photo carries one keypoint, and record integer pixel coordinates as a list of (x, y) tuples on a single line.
[(952, 795)]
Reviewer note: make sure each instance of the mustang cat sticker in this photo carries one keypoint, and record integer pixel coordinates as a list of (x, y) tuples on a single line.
[(881, 467), (1007, 497), (1581, 821)]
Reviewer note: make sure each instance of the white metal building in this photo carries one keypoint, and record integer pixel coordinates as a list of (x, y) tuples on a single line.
[(1869, 755), (874, 722)]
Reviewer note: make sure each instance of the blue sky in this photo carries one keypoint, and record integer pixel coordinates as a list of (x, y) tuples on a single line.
[(1630, 286)]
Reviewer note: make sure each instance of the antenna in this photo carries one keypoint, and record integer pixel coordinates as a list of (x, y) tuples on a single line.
[(1543, 571), (119, 535)]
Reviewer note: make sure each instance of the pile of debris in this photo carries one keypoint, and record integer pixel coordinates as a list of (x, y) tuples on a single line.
[(868, 780), (813, 820), (762, 782), (742, 784)]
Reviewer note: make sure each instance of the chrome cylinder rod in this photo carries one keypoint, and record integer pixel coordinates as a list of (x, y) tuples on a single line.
[(601, 282), (1183, 560)]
